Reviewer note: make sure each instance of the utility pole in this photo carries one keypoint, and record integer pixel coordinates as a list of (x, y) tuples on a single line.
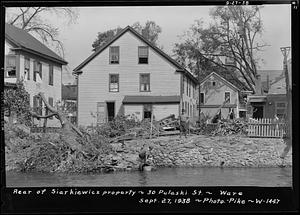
[(199, 91), (285, 51)]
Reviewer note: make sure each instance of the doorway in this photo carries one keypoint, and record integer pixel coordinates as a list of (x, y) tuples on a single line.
[(147, 111), (258, 112), (110, 110)]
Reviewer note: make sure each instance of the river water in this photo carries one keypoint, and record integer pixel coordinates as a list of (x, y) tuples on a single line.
[(262, 177)]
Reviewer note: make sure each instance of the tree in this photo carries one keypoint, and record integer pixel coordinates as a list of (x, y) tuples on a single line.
[(104, 37), (33, 20), (16, 101), (232, 35), (150, 31)]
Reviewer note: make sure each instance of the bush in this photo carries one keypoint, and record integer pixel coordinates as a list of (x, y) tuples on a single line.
[(16, 100)]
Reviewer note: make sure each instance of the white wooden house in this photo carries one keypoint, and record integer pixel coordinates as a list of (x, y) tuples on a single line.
[(40, 68), (129, 75), (216, 88)]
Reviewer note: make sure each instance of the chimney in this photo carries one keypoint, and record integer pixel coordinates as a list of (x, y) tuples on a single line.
[(258, 87)]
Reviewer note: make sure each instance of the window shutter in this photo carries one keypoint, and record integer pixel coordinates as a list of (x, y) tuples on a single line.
[(40, 69)]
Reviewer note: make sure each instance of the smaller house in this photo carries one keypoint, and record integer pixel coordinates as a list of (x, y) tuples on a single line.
[(218, 87)]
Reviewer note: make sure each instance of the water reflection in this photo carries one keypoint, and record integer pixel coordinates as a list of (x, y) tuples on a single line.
[(143, 178), (265, 177)]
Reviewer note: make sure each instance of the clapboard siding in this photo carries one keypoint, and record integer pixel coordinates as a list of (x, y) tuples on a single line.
[(162, 110), (33, 88), (93, 82), (136, 110), (215, 95)]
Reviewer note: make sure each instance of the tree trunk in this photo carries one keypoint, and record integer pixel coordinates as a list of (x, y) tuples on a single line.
[(67, 127)]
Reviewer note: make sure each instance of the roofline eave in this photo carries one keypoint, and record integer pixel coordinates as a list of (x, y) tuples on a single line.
[(62, 62)]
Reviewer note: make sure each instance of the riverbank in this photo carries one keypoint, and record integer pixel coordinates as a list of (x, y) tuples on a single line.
[(204, 151), (48, 153)]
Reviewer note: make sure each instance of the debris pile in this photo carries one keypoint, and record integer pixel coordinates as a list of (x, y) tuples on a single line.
[(169, 123), (230, 127)]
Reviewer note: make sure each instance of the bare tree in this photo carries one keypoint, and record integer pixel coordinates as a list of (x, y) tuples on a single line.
[(34, 21)]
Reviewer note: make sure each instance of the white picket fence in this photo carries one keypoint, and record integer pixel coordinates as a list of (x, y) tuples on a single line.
[(266, 128)]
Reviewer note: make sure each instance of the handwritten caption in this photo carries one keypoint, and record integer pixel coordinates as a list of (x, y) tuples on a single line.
[(159, 196)]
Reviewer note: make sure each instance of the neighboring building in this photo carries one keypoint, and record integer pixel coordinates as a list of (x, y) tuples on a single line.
[(69, 101), (129, 75), (40, 68), (273, 101), (216, 88)]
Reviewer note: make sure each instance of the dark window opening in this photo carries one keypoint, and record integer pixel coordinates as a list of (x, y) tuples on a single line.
[(242, 114), (51, 75), (110, 110), (227, 97), (38, 105), (114, 54), (145, 82), (114, 83), (201, 98), (258, 112), (143, 54), (11, 65), (281, 110), (50, 101), (27, 68), (147, 111), (37, 70)]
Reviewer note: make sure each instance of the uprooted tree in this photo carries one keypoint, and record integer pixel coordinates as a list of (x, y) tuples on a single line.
[(16, 101)]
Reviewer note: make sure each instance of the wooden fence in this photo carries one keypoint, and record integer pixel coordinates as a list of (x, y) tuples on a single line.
[(271, 128)]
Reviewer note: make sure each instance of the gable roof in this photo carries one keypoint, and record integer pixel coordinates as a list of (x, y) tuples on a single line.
[(23, 40), (160, 52), (229, 78)]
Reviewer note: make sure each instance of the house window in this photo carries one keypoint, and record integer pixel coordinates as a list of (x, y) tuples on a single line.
[(147, 111), (37, 70), (114, 54), (50, 101), (227, 97), (201, 98), (51, 75), (187, 87), (183, 80), (11, 65), (193, 87), (190, 88), (143, 54), (213, 83), (113, 82), (37, 105), (144, 82), (281, 109), (27, 68)]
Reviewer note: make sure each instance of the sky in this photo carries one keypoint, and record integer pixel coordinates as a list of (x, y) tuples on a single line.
[(174, 21)]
